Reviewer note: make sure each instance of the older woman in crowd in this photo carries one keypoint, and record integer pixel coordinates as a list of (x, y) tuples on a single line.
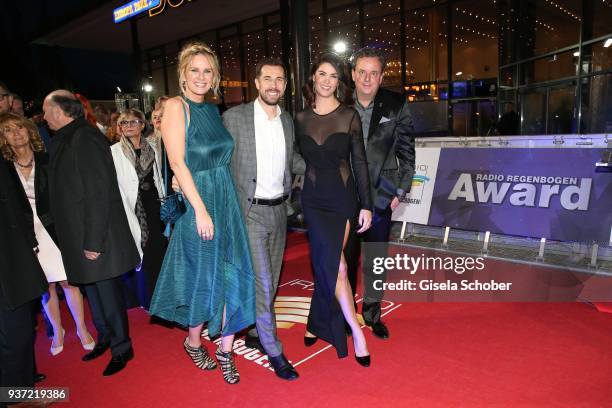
[(141, 185), (20, 143)]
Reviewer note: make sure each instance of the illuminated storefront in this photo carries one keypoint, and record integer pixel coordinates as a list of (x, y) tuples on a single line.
[(493, 52)]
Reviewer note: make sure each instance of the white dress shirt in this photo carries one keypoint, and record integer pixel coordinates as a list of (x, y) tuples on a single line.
[(270, 149)]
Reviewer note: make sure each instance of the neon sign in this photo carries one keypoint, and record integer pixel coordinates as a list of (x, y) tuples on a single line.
[(133, 8), (160, 8)]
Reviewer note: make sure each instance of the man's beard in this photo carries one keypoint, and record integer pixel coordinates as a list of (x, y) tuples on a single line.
[(264, 97)]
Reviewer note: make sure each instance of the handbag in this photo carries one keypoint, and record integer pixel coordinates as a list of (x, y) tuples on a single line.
[(172, 207)]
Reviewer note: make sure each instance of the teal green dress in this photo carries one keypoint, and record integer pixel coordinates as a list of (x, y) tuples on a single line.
[(198, 278)]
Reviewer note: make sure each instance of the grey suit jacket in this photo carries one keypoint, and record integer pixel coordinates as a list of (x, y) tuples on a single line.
[(240, 122)]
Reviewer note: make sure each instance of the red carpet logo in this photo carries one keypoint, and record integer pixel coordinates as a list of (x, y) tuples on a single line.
[(290, 310)]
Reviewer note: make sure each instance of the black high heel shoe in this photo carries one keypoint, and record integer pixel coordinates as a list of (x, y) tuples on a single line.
[(363, 361), (309, 341)]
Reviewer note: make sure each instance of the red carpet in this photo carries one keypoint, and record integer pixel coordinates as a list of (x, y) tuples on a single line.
[(439, 355)]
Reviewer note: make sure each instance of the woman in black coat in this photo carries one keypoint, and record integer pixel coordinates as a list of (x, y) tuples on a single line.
[(21, 145)]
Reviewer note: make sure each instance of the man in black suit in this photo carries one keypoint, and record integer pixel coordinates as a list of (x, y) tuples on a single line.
[(389, 140), (92, 228), (22, 282)]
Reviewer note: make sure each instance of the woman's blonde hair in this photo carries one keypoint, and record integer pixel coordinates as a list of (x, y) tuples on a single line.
[(191, 50), (36, 143)]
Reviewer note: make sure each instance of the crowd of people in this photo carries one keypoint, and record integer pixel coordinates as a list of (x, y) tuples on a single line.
[(80, 211)]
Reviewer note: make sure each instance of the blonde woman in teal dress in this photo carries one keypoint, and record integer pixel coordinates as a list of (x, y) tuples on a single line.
[(207, 274)]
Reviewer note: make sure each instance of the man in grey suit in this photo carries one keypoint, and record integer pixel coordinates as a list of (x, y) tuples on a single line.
[(261, 165)]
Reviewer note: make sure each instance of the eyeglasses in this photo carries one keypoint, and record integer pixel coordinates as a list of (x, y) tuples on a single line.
[(130, 123)]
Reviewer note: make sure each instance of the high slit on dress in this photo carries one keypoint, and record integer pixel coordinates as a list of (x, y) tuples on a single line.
[(336, 187)]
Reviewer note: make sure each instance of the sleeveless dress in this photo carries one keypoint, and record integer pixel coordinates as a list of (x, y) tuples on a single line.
[(198, 278), (336, 186)]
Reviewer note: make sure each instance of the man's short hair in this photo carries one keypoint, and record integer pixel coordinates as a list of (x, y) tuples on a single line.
[(70, 105), (3, 86), (368, 52), (273, 61)]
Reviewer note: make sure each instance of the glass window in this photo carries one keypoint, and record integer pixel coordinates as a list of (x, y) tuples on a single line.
[(173, 85), (381, 18), (561, 110), (255, 50), (557, 66), (343, 27), (231, 81), (317, 36), (275, 42), (549, 110), (475, 31), (597, 57), (533, 118), (157, 80), (473, 118), (601, 19), (596, 114), (315, 7), (507, 77), (426, 50), (545, 26)]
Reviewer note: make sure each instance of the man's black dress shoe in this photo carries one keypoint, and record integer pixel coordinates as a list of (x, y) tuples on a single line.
[(97, 351), (363, 361), (379, 329), (283, 368), (118, 363), (253, 342), (39, 377), (309, 341)]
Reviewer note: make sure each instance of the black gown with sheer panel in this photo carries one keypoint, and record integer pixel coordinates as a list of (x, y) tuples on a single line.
[(336, 187)]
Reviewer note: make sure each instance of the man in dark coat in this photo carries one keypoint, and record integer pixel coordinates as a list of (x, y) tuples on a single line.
[(389, 140), (92, 228), (22, 282)]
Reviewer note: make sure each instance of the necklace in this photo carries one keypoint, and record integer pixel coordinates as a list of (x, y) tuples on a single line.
[(27, 165)]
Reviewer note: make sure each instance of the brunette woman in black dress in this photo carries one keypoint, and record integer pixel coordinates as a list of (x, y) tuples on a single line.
[(336, 201)]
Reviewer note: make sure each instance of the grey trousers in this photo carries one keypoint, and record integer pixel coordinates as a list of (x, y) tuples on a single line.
[(267, 230)]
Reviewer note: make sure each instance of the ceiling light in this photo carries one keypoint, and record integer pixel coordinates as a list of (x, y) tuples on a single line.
[(340, 47)]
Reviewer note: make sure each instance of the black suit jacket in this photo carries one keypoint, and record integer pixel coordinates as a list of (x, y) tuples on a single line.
[(86, 205), (390, 148), (21, 276)]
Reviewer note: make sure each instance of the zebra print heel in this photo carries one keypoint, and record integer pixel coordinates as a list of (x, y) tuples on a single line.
[(199, 356), (228, 366)]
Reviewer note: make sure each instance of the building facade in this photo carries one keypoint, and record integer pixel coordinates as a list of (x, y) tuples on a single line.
[(460, 63)]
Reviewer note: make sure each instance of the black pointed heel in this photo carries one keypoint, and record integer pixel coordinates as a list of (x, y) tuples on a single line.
[(363, 361), (309, 341)]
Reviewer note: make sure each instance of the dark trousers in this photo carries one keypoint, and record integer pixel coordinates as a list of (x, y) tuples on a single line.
[(16, 345), (378, 232), (109, 314)]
